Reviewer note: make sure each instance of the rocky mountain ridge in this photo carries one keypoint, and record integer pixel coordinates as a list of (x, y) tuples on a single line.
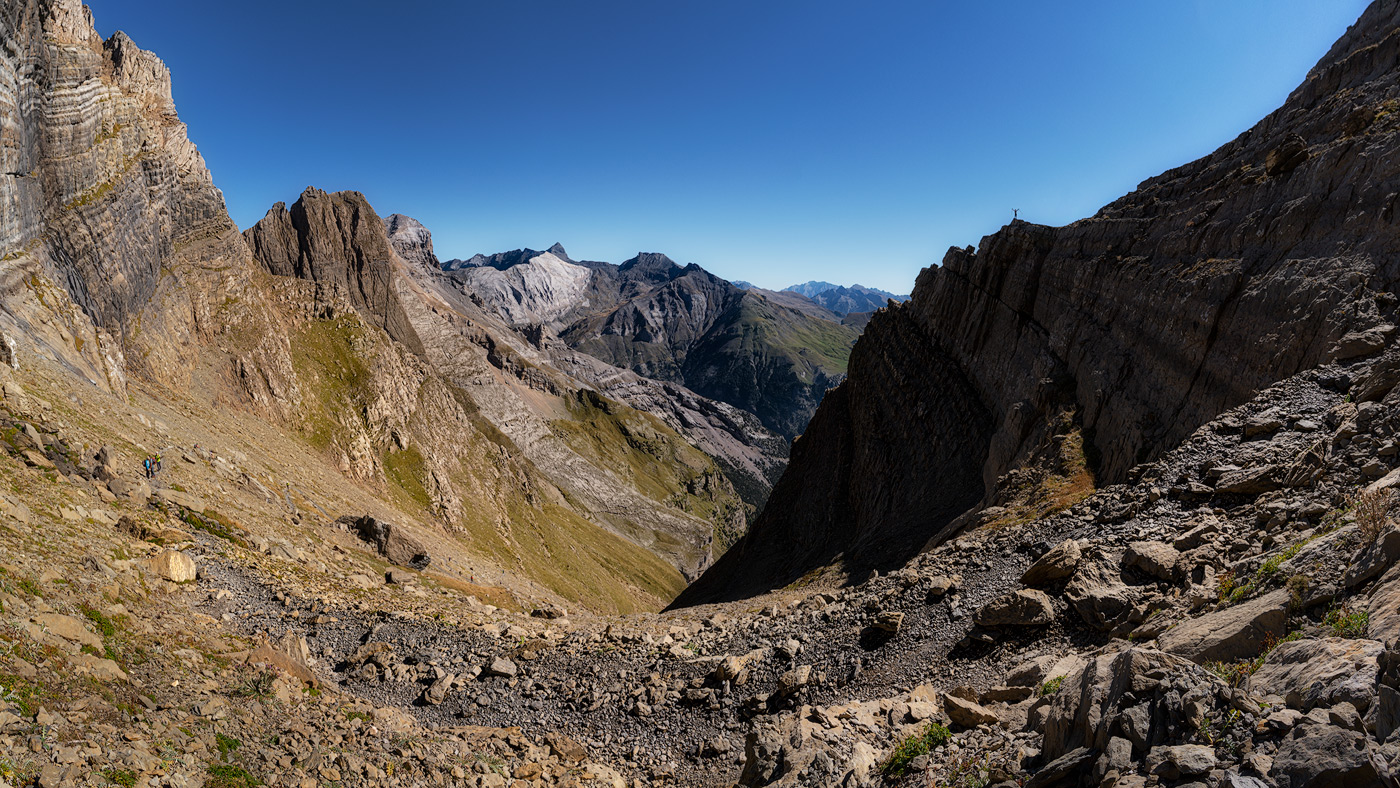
[(843, 300), (1211, 281)]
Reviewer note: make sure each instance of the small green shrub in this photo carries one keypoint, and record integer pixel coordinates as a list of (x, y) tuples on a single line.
[(1371, 510), (121, 777), (104, 625), (1345, 623), (1297, 586), (259, 686), (933, 735), (1052, 686), (226, 744)]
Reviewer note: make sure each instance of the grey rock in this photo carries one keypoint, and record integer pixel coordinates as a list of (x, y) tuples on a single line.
[(1058, 564), (1321, 672), (1237, 632), (1323, 756), (1026, 607)]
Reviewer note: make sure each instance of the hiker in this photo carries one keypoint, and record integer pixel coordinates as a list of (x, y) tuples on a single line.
[(156, 467), (149, 466)]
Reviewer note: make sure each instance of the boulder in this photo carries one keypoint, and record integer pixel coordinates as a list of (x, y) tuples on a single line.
[(1099, 595), (180, 498), (1237, 632), (1026, 607), (174, 566), (1198, 535), (941, 585), (1250, 481), (1362, 343), (1374, 558), (735, 668), (131, 489), (890, 621), (1183, 760), (566, 749), (1114, 695), (100, 668), (390, 541), (1032, 672), (1156, 559), (1383, 608), (436, 692), (1323, 756), (500, 666), (68, 628), (966, 713), (1057, 564), (1321, 673)]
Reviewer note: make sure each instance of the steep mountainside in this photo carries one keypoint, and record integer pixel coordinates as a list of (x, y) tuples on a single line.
[(672, 323), (121, 265), (351, 570), (580, 454), (1133, 327), (750, 455)]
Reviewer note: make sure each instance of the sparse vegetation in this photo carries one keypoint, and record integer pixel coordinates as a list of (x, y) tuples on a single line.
[(226, 775), (226, 745), (933, 735), (122, 777), (1052, 686), (1237, 673), (1344, 622), (1371, 510)]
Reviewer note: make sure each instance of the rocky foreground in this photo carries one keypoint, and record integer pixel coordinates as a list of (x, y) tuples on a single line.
[(1227, 617)]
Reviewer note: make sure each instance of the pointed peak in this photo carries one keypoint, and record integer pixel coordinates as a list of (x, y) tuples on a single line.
[(558, 251)]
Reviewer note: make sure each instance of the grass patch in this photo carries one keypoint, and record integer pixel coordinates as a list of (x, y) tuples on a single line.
[(122, 777), (226, 744), (226, 775), (1237, 673), (933, 735), (259, 686)]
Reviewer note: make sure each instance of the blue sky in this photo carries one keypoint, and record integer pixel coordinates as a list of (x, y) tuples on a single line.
[(775, 141)]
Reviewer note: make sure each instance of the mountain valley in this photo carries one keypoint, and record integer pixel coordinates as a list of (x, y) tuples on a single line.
[(1107, 504)]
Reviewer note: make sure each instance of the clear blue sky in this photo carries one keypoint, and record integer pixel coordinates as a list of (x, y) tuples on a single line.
[(771, 140)]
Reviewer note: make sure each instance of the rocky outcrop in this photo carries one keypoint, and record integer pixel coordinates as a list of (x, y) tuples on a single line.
[(109, 218), (1167, 307), (336, 239)]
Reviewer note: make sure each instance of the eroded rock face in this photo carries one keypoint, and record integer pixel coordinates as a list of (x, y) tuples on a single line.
[(1321, 672), (336, 239), (1146, 320)]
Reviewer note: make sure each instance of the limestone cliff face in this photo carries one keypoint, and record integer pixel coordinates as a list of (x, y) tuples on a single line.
[(1167, 307), (104, 195)]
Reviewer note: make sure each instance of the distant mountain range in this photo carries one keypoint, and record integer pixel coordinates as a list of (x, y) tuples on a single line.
[(845, 300), (772, 354)]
